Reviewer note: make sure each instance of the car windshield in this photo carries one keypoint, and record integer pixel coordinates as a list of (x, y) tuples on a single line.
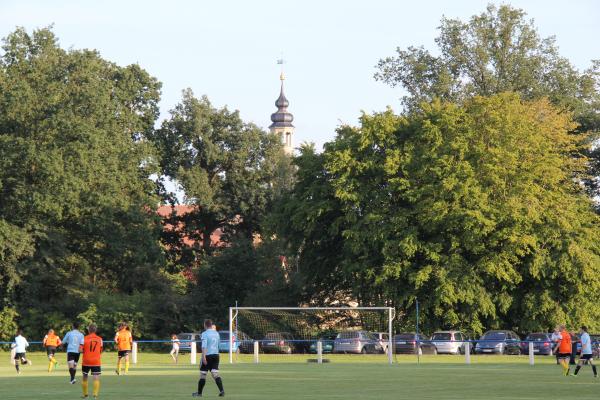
[(409, 336), (274, 336), (347, 335), (330, 336), (441, 336), (537, 337), (224, 335), (494, 336)]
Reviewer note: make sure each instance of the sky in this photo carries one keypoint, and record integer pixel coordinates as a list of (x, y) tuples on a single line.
[(228, 50)]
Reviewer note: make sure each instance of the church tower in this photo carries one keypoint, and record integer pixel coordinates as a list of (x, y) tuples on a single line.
[(282, 121)]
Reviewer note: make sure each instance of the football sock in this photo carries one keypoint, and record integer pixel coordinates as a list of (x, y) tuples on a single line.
[(594, 369), (219, 383), (96, 387), (50, 364), (577, 368), (54, 360), (126, 366), (84, 386), (17, 366), (119, 365), (201, 384), (72, 372)]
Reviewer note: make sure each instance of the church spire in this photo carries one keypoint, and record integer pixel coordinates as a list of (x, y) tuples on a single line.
[(282, 118)]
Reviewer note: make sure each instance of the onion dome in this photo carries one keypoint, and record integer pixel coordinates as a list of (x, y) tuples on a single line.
[(282, 118)]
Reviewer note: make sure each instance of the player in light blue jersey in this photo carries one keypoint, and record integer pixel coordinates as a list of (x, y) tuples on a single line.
[(587, 355), (210, 358), (73, 339)]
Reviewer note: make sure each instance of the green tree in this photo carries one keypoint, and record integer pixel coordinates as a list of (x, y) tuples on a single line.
[(74, 165), (474, 209), (494, 52), (230, 170)]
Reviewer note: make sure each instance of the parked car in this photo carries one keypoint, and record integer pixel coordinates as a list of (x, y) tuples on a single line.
[(279, 342), (498, 342), (542, 344), (449, 342), (359, 342), (384, 340), (327, 339), (186, 339), (241, 342), (411, 343), (595, 344)]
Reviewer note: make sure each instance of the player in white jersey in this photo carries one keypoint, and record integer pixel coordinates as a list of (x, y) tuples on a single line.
[(175, 349), (20, 346), (587, 355)]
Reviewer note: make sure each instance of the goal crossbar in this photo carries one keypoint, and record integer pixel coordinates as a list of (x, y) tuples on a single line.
[(390, 310)]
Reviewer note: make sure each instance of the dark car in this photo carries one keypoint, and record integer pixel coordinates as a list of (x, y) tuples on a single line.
[(186, 340), (327, 340), (498, 342), (411, 343), (359, 342), (279, 342), (595, 338), (542, 344)]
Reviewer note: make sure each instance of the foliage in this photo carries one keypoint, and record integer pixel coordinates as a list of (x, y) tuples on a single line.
[(76, 204), (474, 209), (494, 52)]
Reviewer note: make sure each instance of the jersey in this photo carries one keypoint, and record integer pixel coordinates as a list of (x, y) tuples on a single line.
[(123, 340), (586, 343), (73, 339), (564, 346), (210, 341), (92, 350), (21, 344), (51, 341)]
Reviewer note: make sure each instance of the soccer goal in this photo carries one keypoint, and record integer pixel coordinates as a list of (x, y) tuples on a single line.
[(316, 334)]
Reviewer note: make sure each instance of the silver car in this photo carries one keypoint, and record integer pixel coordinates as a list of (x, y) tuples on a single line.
[(384, 339), (450, 342), (360, 342)]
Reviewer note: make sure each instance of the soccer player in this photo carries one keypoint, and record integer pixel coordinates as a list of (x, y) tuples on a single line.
[(73, 340), (51, 342), (123, 340), (564, 349), (586, 352), (175, 350), (555, 339), (210, 359), (92, 360), (20, 345)]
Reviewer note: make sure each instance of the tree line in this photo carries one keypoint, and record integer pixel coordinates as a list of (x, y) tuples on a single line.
[(477, 199)]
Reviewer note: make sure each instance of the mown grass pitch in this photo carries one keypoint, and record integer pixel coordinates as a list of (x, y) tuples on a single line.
[(440, 377)]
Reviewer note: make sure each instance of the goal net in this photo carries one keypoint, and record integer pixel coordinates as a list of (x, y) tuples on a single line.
[(263, 334)]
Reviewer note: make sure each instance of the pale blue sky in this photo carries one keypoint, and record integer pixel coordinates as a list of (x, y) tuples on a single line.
[(228, 49)]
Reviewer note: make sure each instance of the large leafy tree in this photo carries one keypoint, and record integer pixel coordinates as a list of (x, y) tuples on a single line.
[(497, 51), (474, 209), (230, 170), (75, 197)]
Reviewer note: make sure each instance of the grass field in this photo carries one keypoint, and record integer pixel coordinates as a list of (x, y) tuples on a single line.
[(345, 377)]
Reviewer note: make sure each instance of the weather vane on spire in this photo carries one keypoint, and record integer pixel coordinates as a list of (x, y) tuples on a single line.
[(281, 61)]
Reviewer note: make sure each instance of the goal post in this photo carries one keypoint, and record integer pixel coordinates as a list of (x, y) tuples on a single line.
[(311, 330)]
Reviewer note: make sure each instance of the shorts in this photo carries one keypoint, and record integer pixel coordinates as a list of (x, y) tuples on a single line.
[(95, 370), (564, 355), (123, 353), (20, 356), (73, 357), (212, 363), (50, 350), (586, 357)]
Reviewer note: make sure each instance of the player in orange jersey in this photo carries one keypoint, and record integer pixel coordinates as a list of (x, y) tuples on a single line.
[(51, 342), (563, 349), (92, 360), (124, 340)]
